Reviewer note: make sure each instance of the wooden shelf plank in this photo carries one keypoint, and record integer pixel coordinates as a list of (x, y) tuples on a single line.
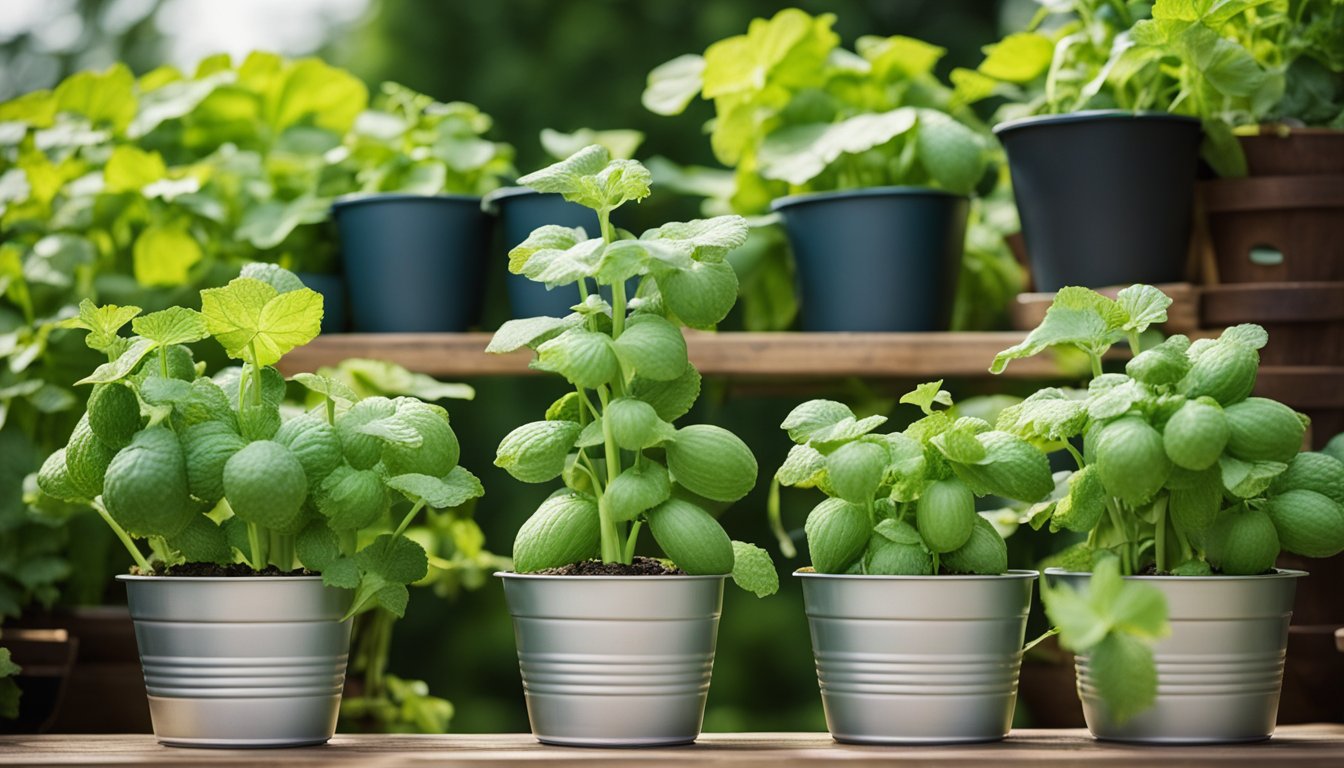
[(753, 355), (1293, 745)]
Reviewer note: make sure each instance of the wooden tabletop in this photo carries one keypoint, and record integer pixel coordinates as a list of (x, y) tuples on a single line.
[(1294, 745), (915, 356)]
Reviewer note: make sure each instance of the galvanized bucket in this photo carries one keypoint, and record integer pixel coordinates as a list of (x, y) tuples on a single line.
[(1220, 670), (918, 659), (241, 662), (615, 661)]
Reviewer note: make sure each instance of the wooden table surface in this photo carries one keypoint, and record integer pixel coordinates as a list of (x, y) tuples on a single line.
[(1294, 745)]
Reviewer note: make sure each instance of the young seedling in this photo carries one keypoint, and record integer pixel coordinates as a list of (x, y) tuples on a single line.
[(612, 441), (903, 503), (207, 470), (1181, 472)]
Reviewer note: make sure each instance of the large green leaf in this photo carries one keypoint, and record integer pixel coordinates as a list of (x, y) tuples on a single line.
[(257, 324)]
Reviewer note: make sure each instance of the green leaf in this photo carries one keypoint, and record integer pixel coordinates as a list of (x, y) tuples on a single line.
[(1125, 673), (1247, 335), (1077, 316), (102, 323), (1081, 509), (926, 395), (670, 399), (174, 325), (634, 424), (317, 546), (1047, 415), (585, 358), (753, 570), (801, 468), (1144, 305), (791, 46), (1018, 58), (797, 154), (899, 55), (673, 84), (622, 144), (710, 239), (953, 154), (266, 225), (452, 490), (651, 347), (279, 278), (530, 332), (326, 386), (550, 237), (813, 416), (257, 324), (701, 295), (164, 256), (395, 558), (535, 452), (591, 178), (855, 470), (106, 97), (130, 169), (122, 366), (960, 443), (637, 490), (1247, 479)]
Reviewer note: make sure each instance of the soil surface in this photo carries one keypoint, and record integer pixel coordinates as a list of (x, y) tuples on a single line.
[(232, 570), (642, 566)]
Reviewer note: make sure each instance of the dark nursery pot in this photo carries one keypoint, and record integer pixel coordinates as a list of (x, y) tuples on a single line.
[(881, 259), (520, 211), (1105, 197), (413, 263), (335, 314)]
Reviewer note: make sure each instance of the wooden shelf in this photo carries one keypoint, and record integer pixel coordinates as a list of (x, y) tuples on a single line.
[(919, 356), (1293, 745)]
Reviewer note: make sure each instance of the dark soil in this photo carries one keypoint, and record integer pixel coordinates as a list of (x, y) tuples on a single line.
[(642, 566), (232, 570)]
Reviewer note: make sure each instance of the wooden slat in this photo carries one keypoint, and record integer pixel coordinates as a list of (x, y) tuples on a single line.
[(760, 355), (1298, 746)]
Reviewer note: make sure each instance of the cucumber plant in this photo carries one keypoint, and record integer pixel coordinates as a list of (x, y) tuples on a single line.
[(1178, 471), (208, 469), (903, 503), (612, 441)]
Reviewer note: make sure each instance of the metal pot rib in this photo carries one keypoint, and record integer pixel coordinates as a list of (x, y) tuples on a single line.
[(918, 659), (241, 662), (1220, 670), (615, 661)]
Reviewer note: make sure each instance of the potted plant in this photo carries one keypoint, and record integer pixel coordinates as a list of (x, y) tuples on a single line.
[(267, 535), (898, 551), (414, 237), (1187, 490), (615, 649), (1095, 145), (864, 156), (522, 210)]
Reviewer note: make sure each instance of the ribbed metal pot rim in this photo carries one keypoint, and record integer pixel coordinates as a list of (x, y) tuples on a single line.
[(221, 579), (1091, 115), (845, 194), (1009, 574), (581, 579), (373, 198), (1279, 573)]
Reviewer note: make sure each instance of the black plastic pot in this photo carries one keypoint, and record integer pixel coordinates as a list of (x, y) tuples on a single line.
[(335, 317), (411, 262), (881, 259), (1105, 197), (520, 211)]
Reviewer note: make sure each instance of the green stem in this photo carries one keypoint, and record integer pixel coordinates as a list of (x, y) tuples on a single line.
[(935, 563), (1126, 567), (257, 543), (380, 638), (610, 537), (406, 521), (1095, 359), (163, 361), (256, 374), (1134, 343), (1160, 541), (630, 543), (1077, 457), (126, 539), (282, 551), (331, 411)]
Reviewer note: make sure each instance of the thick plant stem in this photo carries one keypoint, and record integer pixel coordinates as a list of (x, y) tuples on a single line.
[(282, 551), (611, 545), (1160, 539), (257, 541), (126, 539), (630, 543), (1126, 564)]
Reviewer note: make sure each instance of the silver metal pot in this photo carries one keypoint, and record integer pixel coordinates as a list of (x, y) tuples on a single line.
[(615, 660), (918, 659), (1220, 670), (241, 662)]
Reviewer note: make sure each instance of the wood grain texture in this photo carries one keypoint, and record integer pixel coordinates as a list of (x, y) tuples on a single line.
[(755, 355), (1301, 745)]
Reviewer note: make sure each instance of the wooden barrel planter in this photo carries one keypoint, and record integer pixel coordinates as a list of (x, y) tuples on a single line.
[(1284, 222)]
